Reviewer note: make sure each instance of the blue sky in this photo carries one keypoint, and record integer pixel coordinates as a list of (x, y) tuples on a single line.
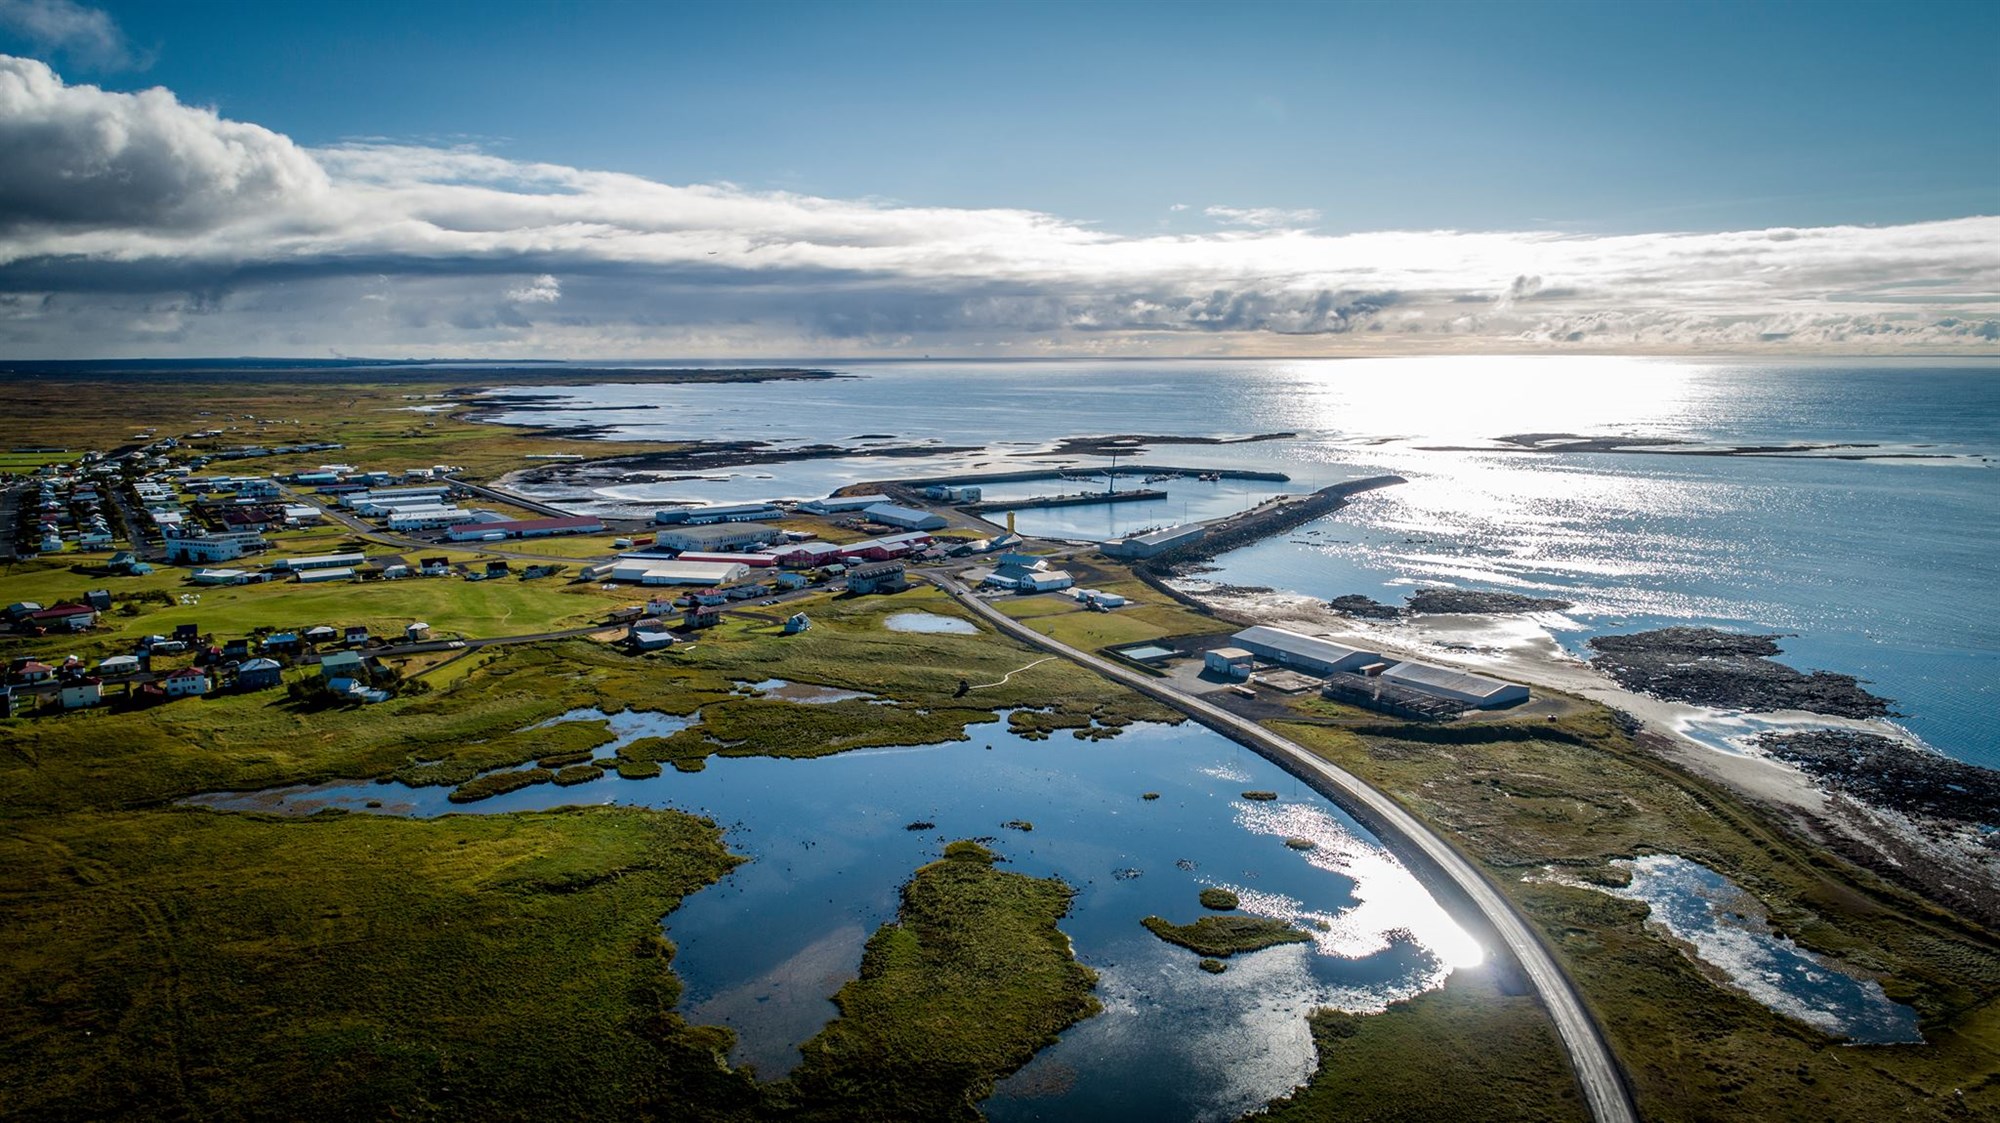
[(1141, 122), (1602, 117)]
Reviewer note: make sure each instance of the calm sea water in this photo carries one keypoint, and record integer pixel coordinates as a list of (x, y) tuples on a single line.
[(1888, 569)]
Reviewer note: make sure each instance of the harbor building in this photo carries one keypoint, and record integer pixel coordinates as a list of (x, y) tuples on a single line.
[(719, 513), (1300, 652), (712, 537), (841, 504), (908, 518), (1155, 542), (1476, 691)]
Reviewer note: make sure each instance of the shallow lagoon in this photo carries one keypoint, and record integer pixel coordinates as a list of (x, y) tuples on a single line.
[(763, 950)]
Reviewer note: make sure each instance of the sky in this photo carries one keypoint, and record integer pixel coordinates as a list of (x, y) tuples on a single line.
[(825, 180)]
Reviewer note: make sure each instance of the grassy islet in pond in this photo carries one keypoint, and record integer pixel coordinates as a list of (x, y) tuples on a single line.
[(1223, 936), (971, 979), (1219, 899)]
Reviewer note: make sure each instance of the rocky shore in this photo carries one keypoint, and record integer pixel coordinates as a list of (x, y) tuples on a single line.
[(1889, 773), (1728, 671)]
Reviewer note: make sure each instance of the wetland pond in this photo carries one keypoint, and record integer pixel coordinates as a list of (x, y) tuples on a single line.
[(930, 623), (1728, 930), (830, 844)]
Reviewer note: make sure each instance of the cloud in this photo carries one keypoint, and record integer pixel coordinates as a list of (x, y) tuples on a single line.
[(542, 290), (1263, 217), (132, 223), (87, 36)]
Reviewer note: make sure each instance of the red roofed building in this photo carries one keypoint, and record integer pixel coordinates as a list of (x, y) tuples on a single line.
[(74, 617)]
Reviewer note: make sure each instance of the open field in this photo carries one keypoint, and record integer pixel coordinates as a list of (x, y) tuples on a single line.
[(1522, 798), (373, 418), (193, 964)]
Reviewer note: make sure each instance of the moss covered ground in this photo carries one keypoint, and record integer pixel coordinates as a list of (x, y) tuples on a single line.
[(191, 964), (1523, 797), (969, 982), (1470, 1050)]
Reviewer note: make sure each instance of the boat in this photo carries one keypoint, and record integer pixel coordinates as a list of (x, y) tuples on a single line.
[(1211, 477)]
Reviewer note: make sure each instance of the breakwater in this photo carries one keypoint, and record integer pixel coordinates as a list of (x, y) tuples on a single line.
[(1024, 475), (1264, 520), (1075, 499)]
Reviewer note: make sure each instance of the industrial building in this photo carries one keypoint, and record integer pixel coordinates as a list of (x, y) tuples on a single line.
[(732, 512), (658, 571), (1232, 662), (709, 538), (1155, 542), (909, 518), (1310, 654), (213, 547), (838, 504), (1476, 691), (320, 561), (525, 528)]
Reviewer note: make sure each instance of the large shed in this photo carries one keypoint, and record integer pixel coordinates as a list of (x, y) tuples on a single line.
[(1461, 686), (909, 518), (656, 571), (1310, 654)]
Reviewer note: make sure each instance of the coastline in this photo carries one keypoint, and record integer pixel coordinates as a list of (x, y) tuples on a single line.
[(1945, 860)]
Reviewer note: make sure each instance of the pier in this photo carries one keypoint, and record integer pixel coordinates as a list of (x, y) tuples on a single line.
[(1275, 516)]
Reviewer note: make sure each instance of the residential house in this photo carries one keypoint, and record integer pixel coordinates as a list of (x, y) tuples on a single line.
[(260, 674), (877, 577), (188, 682), (83, 692)]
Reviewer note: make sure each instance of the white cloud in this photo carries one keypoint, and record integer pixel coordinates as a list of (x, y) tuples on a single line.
[(83, 34), (1263, 217), (542, 290), (133, 221)]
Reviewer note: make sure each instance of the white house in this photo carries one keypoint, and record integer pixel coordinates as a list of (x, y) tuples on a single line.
[(188, 682)]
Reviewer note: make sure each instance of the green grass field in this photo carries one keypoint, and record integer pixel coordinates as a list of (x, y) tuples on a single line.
[(1577, 793)]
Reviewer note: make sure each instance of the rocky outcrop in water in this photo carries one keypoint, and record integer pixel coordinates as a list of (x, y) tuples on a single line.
[(1443, 601), (1482, 603), (1889, 773), (1727, 670)]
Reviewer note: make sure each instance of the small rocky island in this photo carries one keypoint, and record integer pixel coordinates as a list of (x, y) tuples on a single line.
[(1728, 670), (1441, 601)]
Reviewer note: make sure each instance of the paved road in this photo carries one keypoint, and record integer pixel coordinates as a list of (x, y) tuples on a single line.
[(1596, 1071)]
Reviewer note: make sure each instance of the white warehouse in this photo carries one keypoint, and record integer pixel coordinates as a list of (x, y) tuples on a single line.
[(1311, 654), (654, 571), (1462, 686)]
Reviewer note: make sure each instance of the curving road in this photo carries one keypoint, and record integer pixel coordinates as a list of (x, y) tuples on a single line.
[(1597, 1072)]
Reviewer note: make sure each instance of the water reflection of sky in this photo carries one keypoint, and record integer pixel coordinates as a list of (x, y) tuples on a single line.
[(1728, 929), (762, 950)]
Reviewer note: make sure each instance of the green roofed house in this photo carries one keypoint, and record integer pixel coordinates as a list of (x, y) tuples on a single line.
[(343, 664)]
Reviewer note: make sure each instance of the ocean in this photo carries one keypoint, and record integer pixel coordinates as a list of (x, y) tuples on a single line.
[(1880, 559)]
